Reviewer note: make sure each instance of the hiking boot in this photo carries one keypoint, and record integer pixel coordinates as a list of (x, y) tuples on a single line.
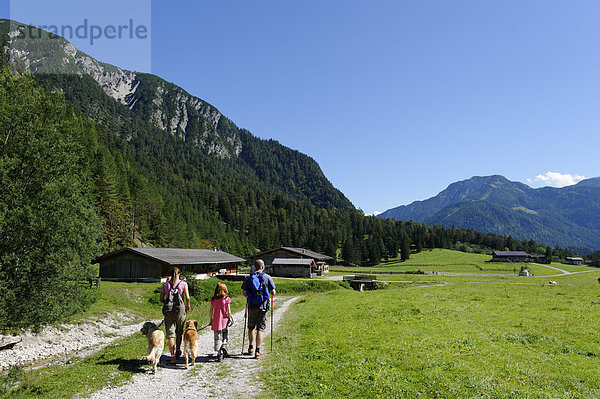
[(250, 351), (172, 360), (220, 357), (257, 355), (224, 351), (178, 353)]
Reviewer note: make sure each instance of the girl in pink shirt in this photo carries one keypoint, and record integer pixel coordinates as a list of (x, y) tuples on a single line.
[(220, 313)]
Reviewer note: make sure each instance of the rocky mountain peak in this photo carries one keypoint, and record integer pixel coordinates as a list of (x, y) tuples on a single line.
[(166, 105)]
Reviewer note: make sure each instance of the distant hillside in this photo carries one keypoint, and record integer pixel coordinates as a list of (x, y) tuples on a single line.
[(569, 216)]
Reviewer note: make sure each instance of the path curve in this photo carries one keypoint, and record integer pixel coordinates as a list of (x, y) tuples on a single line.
[(564, 272), (208, 379)]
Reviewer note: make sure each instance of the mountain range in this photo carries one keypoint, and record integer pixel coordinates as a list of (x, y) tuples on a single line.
[(169, 169), (568, 216)]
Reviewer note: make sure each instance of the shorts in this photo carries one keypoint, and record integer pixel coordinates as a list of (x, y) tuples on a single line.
[(174, 327), (257, 319)]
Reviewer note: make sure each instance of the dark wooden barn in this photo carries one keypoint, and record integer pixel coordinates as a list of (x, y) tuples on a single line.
[(153, 264), (517, 256), (510, 256), (292, 267)]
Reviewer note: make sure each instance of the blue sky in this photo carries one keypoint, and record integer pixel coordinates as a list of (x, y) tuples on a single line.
[(394, 99)]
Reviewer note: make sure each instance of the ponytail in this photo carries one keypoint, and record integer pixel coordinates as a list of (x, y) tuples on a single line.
[(174, 273)]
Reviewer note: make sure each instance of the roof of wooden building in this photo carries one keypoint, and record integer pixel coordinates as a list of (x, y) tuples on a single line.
[(293, 261), (298, 251), (178, 256)]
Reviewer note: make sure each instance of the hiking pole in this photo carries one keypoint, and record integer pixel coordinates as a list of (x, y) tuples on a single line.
[(244, 328), (271, 323)]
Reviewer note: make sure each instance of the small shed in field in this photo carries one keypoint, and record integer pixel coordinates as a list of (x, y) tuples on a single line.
[(152, 264), (319, 265), (525, 272)]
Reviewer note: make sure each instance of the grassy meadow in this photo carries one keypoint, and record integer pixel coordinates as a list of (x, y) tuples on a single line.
[(444, 337), (430, 336), (448, 261)]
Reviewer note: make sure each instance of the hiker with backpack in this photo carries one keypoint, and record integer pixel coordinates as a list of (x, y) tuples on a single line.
[(258, 288), (173, 294)]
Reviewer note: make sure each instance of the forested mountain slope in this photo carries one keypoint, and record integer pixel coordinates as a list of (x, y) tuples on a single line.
[(152, 102), (568, 216), (170, 168)]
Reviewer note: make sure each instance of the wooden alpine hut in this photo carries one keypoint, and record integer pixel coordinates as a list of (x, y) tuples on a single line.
[(153, 264)]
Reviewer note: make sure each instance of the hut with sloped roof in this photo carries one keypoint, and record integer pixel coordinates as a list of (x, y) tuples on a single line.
[(153, 264)]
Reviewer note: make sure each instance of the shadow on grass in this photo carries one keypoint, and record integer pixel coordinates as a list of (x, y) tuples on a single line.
[(129, 365)]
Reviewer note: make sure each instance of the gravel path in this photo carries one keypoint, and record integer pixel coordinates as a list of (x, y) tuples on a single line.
[(208, 379)]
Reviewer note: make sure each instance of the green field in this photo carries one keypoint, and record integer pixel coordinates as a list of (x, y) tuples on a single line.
[(472, 335), (448, 261), (460, 340), (432, 336)]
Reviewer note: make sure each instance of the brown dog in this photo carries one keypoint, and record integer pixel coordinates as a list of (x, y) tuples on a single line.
[(156, 342), (190, 342)]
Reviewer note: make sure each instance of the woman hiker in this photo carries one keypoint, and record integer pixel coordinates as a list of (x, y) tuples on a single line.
[(173, 294)]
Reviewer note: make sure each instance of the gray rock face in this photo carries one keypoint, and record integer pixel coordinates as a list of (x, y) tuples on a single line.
[(45, 53), (37, 51)]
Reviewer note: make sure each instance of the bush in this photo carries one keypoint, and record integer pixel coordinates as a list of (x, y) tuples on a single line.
[(195, 286), (155, 298), (203, 290), (300, 286)]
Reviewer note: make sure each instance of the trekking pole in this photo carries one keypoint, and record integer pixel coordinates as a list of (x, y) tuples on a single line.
[(271, 323), (244, 328)]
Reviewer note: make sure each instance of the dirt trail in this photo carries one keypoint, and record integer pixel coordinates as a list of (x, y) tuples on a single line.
[(208, 379)]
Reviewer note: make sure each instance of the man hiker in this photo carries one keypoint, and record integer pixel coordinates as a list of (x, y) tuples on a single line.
[(172, 295), (256, 288)]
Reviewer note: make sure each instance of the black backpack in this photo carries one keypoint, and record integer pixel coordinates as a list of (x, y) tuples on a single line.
[(173, 305)]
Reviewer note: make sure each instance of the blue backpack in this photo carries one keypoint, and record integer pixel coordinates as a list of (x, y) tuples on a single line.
[(258, 291)]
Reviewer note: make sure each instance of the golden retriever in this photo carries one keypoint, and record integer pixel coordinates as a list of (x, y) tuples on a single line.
[(190, 342), (156, 342)]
